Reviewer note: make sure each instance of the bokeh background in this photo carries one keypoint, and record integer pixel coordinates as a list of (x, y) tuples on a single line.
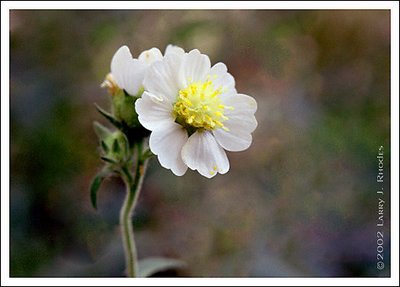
[(300, 202)]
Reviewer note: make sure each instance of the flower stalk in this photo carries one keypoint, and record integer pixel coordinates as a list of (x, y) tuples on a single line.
[(133, 187)]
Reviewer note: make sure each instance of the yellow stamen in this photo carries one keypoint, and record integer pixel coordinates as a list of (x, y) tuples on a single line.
[(199, 106)]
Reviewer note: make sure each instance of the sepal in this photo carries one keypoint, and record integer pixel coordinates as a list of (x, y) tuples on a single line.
[(96, 182)]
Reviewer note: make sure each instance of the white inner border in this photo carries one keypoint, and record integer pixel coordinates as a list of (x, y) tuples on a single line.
[(6, 6)]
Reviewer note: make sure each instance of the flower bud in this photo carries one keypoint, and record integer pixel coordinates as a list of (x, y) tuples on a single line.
[(114, 145)]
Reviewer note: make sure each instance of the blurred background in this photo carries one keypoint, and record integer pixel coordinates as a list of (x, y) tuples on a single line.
[(300, 201)]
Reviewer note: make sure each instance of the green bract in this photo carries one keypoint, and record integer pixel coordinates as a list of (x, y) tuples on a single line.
[(124, 108)]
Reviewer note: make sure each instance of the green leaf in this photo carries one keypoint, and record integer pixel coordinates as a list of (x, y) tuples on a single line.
[(109, 160), (115, 146), (109, 117), (105, 147), (127, 151), (150, 266), (147, 154), (95, 187), (101, 131)]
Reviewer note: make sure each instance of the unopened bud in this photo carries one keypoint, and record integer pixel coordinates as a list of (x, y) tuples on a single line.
[(115, 148)]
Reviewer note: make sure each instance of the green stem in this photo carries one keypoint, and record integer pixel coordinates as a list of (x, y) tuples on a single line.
[(133, 186)]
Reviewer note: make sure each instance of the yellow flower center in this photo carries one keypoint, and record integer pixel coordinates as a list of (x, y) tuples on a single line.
[(200, 106)]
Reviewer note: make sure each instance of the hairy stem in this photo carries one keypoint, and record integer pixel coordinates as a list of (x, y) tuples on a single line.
[(133, 186)]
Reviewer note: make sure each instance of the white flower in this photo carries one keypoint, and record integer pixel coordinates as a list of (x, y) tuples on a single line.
[(194, 113), (128, 73)]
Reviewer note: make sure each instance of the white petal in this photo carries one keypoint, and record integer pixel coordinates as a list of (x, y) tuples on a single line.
[(118, 64), (150, 56), (242, 104), (153, 111), (162, 77), (167, 142), (236, 139), (241, 123), (204, 154), (222, 79), (195, 67), (127, 72), (134, 77), (172, 49)]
